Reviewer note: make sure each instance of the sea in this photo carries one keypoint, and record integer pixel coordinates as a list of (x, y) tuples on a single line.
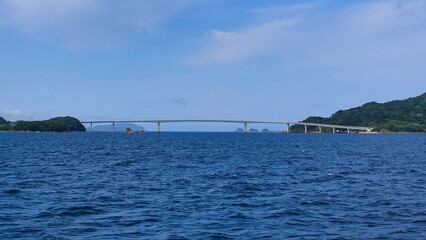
[(212, 186)]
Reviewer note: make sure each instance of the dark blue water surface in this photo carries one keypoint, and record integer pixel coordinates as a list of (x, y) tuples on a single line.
[(212, 186)]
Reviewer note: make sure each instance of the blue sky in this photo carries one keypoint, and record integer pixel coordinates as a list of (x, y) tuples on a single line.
[(207, 59)]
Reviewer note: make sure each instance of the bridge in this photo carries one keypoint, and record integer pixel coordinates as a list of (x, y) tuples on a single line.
[(245, 123)]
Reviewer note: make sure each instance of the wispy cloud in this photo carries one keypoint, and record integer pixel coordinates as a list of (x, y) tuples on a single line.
[(231, 47), (29, 15), (358, 33), (79, 24)]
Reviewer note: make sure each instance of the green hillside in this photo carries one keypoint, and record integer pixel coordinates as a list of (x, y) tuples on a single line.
[(407, 115), (4, 125), (58, 124)]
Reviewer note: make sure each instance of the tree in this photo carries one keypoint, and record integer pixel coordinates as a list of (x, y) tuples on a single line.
[(4, 125)]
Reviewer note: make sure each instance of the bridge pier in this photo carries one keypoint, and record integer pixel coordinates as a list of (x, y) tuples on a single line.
[(158, 127), (320, 129), (245, 127), (349, 131), (288, 128), (334, 130), (306, 129), (91, 127), (113, 126)]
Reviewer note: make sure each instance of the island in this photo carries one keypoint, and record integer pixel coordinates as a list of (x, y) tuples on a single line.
[(398, 116), (57, 124), (265, 130)]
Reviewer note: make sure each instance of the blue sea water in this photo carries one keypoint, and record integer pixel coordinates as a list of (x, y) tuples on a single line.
[(212, 186)]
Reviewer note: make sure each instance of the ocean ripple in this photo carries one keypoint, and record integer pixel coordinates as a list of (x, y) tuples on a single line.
[(212, 186)]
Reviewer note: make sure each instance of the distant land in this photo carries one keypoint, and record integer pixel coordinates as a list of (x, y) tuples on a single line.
[(407, 115), (58, 124), (265, 130), (121, 127)]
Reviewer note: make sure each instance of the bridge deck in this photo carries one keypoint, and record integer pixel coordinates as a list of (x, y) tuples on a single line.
[(245, 122)]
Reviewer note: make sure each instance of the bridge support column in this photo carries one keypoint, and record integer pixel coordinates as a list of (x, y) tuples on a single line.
[(113, 126), (158, 127), (334, 130), (320, 129), (91, 127), (288, 127), (349, 131), (306, 129), (245, 127)]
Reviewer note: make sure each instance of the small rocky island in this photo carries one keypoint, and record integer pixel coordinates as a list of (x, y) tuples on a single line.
[(129, 130), (58, 124)]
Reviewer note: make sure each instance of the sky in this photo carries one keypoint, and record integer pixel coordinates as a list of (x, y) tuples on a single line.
[(277, 60)]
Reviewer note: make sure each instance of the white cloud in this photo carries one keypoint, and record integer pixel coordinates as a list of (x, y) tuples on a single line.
[(357, 34), (29, 15), (230, 47), (367, 34), (87, 23), (280, 11), (379, 16)]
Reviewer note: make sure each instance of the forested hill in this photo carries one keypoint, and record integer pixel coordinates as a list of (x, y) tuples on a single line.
[(407, 115), (4, 125), (58, 124)]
